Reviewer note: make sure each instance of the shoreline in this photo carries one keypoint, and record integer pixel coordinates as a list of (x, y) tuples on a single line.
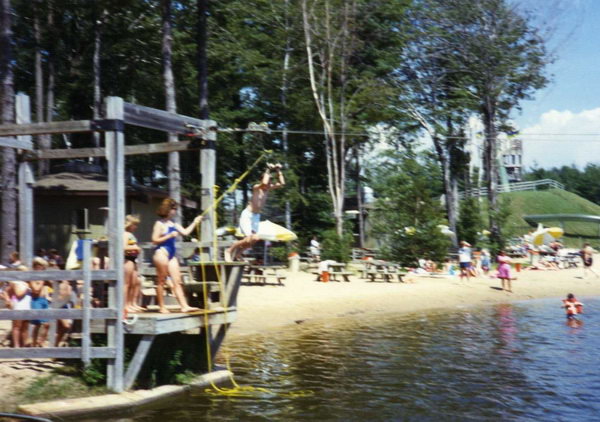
[(267, 308)]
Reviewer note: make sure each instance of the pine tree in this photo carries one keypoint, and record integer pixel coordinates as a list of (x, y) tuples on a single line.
[(407, 215)]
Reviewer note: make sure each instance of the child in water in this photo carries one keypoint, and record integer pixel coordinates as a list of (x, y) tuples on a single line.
[(572, 306)]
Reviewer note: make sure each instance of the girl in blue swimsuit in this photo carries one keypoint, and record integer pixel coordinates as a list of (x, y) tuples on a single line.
[(165, 260)]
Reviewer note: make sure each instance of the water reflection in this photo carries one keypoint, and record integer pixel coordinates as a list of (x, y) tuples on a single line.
[(507, 362)]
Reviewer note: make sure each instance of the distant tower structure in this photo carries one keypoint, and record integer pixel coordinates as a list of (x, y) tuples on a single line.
[(512, 158)]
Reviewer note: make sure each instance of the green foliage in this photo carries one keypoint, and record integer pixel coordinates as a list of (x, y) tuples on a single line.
[(582, 182), (470, 223), (407, 215), (501, 216), (54, 386), (391, 48), (553, 201), (335, 247), (185, 377), (171, 359), (280, 253), (95, 373)]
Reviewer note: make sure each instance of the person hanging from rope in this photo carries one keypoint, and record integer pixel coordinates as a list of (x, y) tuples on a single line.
[(165, 259), (250, 217)]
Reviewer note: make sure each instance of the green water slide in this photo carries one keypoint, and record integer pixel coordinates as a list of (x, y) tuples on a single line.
[(534, 219)]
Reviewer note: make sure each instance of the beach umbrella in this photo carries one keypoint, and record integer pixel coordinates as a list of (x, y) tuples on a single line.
[(445, 230), (555, 232), (544, 236), (268, 230)]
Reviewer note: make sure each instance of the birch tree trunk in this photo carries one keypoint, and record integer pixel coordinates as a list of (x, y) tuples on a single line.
[(332, 53), (450, 198), (173, 169), (8, 227), (283, 98)]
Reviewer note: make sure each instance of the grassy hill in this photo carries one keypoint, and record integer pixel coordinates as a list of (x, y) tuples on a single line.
[(553, 201)]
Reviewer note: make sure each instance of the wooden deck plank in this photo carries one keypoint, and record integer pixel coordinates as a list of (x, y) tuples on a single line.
[(56, 352), (154, 323)]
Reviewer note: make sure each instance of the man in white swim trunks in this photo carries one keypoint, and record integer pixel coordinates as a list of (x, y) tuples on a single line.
[(250, 217)]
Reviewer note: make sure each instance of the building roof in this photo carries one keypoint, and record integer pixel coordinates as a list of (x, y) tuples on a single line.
[(67, 183)]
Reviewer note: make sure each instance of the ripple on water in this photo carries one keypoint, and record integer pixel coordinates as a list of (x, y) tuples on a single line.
[(516, 362)]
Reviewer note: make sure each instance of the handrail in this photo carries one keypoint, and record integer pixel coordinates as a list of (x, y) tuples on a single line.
[(514, 187), (86, 352)]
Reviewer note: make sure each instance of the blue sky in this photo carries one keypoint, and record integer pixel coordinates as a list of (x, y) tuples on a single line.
[(558, 124)]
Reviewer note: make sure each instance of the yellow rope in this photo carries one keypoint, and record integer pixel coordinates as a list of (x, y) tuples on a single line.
[(237, 390), (234, 185)]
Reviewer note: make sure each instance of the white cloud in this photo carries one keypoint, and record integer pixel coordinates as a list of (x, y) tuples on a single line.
[(563, 138)]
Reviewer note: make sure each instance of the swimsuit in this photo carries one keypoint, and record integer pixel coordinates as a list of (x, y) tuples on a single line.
[(249, 222), (169, 244), (131, 255), (39, 302), (24, 303)]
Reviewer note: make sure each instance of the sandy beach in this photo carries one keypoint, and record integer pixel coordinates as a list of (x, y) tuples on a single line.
[(272, 307), (269, 307)]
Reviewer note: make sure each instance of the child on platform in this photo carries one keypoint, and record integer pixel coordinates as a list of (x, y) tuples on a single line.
[(39, 300), (18, 297)]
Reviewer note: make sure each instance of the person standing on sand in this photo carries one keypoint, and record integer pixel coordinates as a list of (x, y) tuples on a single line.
[(504, 271), (250, 217), (464, 259), (315, 249), (485, 261), (587, 255)]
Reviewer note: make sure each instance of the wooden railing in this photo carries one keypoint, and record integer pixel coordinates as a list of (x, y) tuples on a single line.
[(86, 313)]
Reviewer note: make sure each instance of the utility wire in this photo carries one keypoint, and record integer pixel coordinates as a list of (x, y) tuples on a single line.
[(375, 134)]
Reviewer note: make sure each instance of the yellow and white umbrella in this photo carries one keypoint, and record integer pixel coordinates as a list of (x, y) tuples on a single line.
[(268, 230), (544, 236)]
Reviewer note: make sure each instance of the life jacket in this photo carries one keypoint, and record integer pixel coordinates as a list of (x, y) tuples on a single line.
[(572, 306)]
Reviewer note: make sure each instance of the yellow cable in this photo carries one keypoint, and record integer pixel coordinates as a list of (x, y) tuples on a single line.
[(237, 390)]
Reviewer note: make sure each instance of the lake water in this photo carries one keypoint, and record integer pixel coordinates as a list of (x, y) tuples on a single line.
[(517, 362)]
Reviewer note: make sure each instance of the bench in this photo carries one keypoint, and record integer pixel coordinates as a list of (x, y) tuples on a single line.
[(385, 276), (263, 278), (333, 275)]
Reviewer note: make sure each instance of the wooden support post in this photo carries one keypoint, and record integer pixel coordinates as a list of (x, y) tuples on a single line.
[(115, 142), (208, 156), (86, 341), (138, 360), (26, 181), (216, 335)]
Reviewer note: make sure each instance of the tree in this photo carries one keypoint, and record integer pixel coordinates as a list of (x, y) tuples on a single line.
[(434, 93), (202, 34), (351, 47), (171, 105), (407, 213), (470, 224), (504, 59), (8, 241)]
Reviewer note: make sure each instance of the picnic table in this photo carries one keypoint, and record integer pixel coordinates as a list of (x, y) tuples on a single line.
[(263, 273), (384, 270), (337, 272)]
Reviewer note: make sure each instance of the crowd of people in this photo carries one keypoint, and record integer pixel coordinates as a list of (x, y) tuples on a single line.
[(40, 294), (37, 294)]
